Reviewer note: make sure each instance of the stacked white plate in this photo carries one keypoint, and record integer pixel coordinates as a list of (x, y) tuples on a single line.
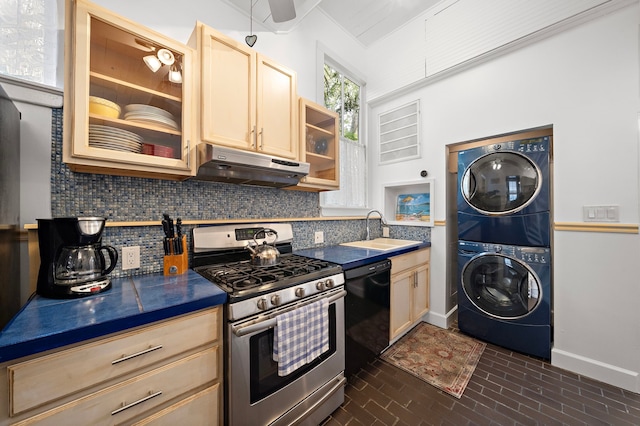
[(108, 137), (150, 114)]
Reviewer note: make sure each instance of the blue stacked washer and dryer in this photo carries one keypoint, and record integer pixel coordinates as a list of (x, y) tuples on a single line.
[(504, 244)]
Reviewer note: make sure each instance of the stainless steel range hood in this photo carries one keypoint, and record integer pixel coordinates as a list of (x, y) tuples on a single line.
[(224, 164)]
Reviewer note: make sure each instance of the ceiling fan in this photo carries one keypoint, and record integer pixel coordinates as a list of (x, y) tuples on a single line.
[(282, 10)]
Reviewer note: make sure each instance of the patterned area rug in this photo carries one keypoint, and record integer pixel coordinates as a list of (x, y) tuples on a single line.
[(440, 357)]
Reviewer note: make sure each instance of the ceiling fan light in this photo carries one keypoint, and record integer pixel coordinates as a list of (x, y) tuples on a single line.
[(282, 10)]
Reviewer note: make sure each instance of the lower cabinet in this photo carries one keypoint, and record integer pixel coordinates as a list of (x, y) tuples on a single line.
[(200, 409), (409, 291), (150, 375)]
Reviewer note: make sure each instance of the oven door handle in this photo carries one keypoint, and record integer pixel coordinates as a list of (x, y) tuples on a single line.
[(271, 322)]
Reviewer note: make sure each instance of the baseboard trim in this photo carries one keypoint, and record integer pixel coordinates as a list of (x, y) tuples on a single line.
[(440, 320), (607, 373)]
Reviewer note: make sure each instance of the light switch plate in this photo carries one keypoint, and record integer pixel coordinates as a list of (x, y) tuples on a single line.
[(601, 213), (319, 237)]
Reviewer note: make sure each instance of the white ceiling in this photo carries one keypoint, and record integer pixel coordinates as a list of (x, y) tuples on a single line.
[(370, 20), (367, 20)]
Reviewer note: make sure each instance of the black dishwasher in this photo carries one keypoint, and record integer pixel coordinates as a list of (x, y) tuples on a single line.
[(366, 313)]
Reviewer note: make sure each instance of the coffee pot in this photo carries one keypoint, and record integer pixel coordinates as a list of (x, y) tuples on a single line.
[(73, 262), (83, 264)]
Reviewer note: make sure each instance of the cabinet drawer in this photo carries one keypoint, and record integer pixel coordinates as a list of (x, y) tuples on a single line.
[(119, 403), (38, 381), (409, 260), (201, 409)]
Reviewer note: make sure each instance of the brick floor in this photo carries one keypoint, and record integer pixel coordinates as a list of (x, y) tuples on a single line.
[(507, 388)]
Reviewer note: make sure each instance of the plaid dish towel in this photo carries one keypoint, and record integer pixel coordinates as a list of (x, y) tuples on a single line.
[(290, 341), (317, 329)]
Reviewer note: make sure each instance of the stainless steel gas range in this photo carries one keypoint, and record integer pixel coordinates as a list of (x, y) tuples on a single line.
[(262, 298)]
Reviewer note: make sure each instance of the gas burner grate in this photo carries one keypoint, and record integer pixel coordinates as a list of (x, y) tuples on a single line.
[(243, 282), (242, 275)]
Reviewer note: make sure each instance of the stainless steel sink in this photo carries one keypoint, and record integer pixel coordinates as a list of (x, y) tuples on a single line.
[(382, 244)]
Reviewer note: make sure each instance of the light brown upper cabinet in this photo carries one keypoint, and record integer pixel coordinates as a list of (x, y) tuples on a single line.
[(319, 146), (247, 101), (127, 97)]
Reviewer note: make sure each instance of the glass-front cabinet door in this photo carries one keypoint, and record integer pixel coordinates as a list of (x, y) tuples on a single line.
[(127, 97), (319, 146)]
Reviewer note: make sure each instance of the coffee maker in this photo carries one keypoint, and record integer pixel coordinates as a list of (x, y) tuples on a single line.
[(72, 259)]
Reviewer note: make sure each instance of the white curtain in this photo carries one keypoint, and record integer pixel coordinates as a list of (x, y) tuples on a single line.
[(353, 178)]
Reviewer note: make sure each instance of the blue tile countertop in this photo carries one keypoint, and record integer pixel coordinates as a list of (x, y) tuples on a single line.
[(353, 257), (44, 324)]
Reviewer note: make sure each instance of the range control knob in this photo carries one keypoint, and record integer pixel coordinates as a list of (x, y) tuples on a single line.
[(262, 304), (320, 285), (275, 300), (329, 283), (300, 292)]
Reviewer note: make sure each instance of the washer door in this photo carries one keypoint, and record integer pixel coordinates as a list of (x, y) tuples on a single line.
[(501, 286), (500, 183)]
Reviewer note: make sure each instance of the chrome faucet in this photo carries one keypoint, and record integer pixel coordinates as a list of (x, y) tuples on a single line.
[(383, 222)]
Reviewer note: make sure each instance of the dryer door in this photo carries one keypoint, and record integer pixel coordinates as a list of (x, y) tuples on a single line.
[(501, 286), (500, 183)]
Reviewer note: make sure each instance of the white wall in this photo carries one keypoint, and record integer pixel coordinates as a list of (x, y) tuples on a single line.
[(584, 82)]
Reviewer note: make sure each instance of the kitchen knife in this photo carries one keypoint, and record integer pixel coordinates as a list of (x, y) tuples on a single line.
[(179, 236), (167, 227), (171, 232)]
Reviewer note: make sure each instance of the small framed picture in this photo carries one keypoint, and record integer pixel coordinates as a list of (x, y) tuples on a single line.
[(414, 207)]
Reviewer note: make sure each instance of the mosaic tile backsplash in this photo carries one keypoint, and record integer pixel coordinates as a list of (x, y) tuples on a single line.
[(124, 199)]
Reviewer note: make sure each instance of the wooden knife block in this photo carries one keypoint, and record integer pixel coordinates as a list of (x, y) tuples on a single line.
[(176, 264)]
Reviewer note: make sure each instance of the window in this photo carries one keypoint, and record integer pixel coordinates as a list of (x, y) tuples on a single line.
[(343, 94), (31, 44)]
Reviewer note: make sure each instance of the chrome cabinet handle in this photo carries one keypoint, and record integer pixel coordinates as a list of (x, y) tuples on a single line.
[(127, 357), (254, 137), (126, 406), (261, 138), (186, 153)]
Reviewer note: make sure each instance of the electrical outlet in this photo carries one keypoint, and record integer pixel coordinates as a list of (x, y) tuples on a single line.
[(385, 231), (319, 237), (130, 257)]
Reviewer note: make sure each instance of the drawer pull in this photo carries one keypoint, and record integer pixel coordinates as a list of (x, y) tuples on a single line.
[(127, 357), (126, 406)]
